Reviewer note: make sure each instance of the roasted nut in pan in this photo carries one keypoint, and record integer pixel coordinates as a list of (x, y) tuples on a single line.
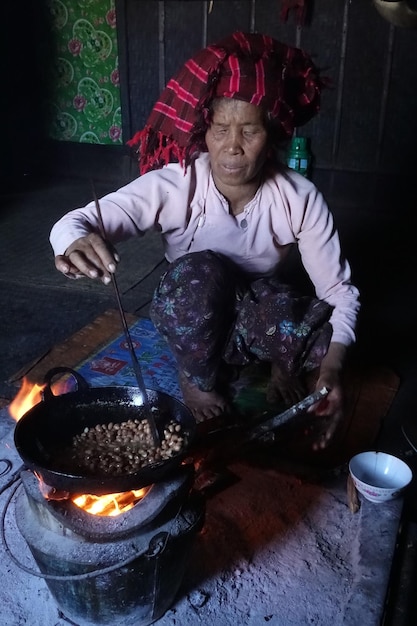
[(123, 448)]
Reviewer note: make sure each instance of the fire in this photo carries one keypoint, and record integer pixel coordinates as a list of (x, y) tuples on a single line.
[(108, 505), (28, 395), (111, 504)]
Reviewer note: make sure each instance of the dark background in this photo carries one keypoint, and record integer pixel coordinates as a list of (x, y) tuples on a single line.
[(368, 120)]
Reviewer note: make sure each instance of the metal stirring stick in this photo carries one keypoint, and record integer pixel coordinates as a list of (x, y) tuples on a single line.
[(133, 357)]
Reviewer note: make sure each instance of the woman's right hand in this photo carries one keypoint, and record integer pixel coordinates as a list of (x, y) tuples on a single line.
[(89, 256)]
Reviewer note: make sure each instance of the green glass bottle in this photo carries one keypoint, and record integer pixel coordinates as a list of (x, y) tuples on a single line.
[(298, 156)]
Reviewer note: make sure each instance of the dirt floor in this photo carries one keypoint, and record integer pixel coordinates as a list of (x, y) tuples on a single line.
[(279, 545)]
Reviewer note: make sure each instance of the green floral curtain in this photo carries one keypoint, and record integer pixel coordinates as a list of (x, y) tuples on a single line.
[(85, 94)]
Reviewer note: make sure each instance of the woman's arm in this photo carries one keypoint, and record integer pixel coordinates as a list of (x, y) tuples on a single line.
[(157, 200)]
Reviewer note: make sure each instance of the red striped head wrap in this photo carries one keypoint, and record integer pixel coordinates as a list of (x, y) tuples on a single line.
[(252, 67)]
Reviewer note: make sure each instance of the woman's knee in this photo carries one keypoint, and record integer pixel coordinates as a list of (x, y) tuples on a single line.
[(203, 264), (205, 271), (197, 284)]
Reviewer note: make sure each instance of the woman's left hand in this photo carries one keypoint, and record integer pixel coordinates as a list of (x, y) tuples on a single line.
[(332, 406)]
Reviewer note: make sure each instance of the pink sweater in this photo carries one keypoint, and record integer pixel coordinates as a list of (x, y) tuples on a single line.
[(192, 215)]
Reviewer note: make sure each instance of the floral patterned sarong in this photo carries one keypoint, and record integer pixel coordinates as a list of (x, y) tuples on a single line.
[(211, 313)]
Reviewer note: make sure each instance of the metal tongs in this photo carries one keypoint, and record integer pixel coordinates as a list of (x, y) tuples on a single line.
[(282, 418), (133, 357), (265, 426)]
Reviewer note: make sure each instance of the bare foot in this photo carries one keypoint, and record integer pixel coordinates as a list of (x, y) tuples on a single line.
[(202, 404), (283, 387)]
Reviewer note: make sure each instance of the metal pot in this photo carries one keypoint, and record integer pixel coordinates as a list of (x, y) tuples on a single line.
[(50, 425)]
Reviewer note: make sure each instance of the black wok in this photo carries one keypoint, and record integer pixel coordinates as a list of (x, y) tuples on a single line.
[(50, 425)]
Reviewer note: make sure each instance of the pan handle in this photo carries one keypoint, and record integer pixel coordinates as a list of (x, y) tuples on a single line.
[(82, 384)]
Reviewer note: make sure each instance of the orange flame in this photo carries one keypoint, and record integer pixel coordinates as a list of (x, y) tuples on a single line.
[(108, 505), (28, 395), (111, 504)]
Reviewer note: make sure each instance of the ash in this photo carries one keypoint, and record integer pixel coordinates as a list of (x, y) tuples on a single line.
[(284, 551), (279, 547)]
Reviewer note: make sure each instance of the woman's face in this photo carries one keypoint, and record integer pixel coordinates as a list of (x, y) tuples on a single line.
[(237, 141)]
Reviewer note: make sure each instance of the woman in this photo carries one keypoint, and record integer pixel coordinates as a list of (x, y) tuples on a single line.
[(228, 214)]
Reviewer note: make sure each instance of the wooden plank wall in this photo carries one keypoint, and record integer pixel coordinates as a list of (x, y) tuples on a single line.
[(368, 120)]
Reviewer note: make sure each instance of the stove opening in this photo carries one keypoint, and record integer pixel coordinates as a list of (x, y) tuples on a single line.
[(111, 504)]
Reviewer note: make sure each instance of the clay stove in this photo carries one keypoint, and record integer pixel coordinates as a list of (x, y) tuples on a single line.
[(123, 570)]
